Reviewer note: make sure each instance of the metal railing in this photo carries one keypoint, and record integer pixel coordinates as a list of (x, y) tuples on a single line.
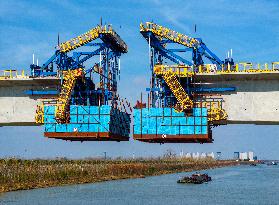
[(10, 74), (242, 67)]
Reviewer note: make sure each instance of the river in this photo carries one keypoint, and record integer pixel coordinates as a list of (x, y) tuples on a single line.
[(231, 185)]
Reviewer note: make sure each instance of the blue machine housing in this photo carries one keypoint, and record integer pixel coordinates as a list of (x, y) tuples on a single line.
[(166, 121), (89, 120)]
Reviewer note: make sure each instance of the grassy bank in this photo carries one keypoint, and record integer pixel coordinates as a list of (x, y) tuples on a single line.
[(18, 174)]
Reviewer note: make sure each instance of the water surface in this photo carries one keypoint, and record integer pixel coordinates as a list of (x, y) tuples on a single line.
[(231, 185)]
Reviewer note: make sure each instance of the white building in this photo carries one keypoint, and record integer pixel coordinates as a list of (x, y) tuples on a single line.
[(188, 155), (203, 155), (196, 155), (243, 156), (246, 156), (251, 156), (210, 154), (181, 153)]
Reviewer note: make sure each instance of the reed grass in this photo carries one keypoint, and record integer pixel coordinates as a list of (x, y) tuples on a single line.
[(18, 174)]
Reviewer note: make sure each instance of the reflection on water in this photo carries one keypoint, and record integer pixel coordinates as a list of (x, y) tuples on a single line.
[(230, 185)]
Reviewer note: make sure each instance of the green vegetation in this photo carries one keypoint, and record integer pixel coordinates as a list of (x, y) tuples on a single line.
[(17, 174)]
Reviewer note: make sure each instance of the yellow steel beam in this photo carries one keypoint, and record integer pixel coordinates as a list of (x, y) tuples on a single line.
[(167, 33), (184, 101), (65, 94), (39, 116), (90, 36), (215, 112)]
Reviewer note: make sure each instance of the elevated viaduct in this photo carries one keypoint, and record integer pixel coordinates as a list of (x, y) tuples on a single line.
[(254, 101)]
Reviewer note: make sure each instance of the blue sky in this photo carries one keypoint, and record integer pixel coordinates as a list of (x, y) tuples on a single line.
[(250, 28)]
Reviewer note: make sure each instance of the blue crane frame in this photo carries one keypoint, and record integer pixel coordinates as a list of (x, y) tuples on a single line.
[(159, 51), (109, 62)]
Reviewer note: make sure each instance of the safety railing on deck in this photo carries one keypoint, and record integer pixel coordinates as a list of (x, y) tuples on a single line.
[(9, 74), (243, 67), (179, 70)]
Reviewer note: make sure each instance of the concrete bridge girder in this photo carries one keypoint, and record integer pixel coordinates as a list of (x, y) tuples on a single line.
[(17, 107), (256, 99)]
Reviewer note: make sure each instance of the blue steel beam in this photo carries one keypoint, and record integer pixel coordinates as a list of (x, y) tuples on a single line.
[(94, 44), (154, 89), (110, 56), (88, 56), (180, 50), (41, 92), (229, 89), (156, 45), (216, 59), (51, 59), (155, 42), (198, 52), (177, 57)]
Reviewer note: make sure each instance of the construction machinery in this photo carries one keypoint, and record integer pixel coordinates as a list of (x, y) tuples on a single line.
[(75, 92), (192, 90), (183, 109), (87, 105)]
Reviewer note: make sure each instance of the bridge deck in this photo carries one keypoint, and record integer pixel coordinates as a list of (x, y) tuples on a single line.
[(17, 106), (254, 101), (238, 76)]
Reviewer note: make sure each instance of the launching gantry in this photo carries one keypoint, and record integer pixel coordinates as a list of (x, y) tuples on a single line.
[(88, 106), (186, 98)]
